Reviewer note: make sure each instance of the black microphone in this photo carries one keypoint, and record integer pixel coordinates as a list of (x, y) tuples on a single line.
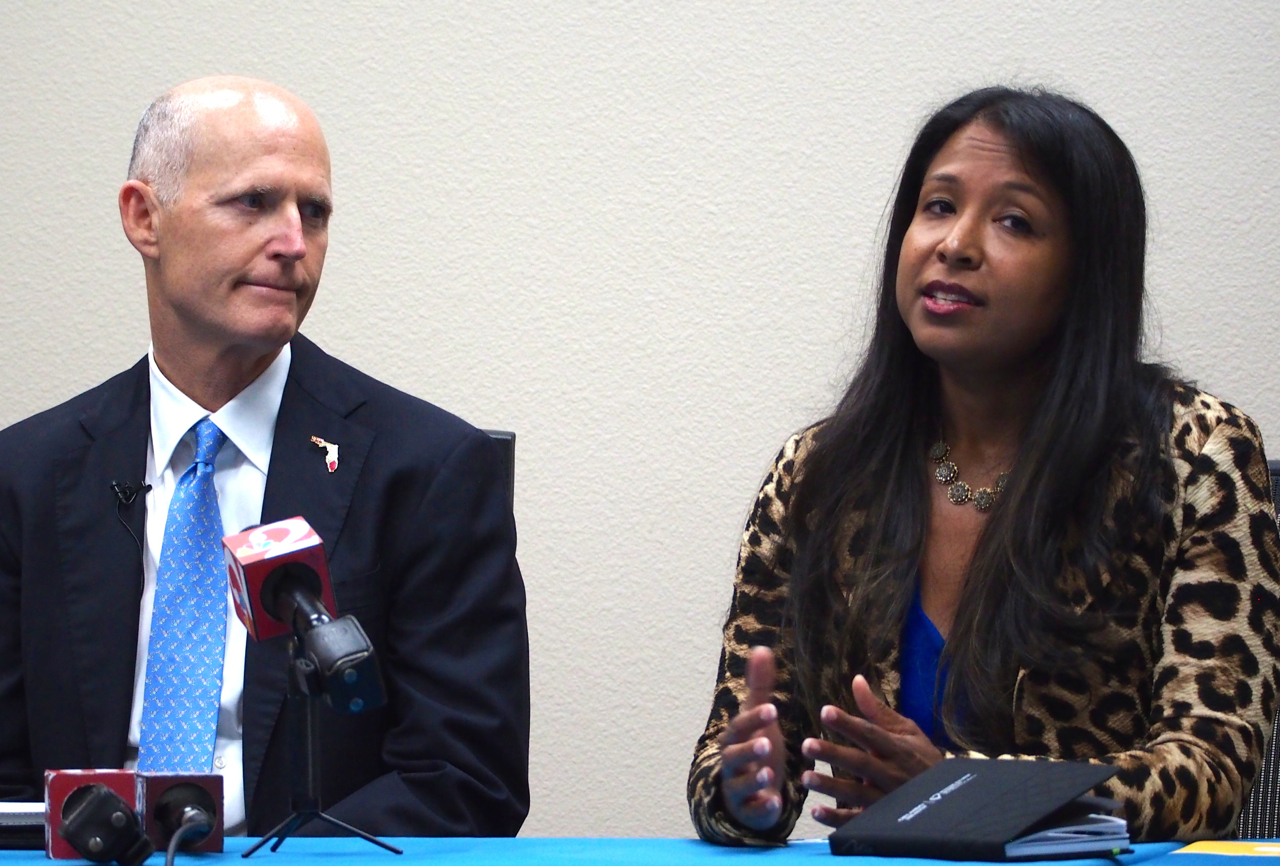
[(126, 493), (338, 649)]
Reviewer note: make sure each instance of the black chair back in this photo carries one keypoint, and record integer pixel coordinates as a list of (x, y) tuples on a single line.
[(506, 441), (1260, 818)]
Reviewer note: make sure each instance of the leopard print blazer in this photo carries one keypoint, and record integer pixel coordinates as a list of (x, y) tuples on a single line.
[(1183, 710)]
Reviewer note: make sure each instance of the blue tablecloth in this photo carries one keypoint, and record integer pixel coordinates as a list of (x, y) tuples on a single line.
[(536, 852)]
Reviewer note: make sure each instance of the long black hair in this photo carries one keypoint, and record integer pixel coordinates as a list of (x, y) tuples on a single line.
[(1101, 408)]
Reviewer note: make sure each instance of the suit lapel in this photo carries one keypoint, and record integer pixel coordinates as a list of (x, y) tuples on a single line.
[(318, 397), (101, 562)]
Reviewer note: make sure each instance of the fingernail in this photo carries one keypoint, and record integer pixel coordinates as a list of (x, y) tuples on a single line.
[(828, 713), (763, 776), (807, 747), (768, 712), (760, 747), (774, 804)]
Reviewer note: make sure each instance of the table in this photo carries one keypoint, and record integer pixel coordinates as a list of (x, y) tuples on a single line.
[(1199, 854), (546, 852)]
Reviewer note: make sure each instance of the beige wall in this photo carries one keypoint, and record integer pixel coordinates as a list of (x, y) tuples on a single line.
[(642, 235)]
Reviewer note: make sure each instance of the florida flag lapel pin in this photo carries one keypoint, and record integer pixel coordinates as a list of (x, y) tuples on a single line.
[(330, 452)]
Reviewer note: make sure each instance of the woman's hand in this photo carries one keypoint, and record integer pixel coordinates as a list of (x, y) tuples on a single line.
[(752, 754), (886, 750)]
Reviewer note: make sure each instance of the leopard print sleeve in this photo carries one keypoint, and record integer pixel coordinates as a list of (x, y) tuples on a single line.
[(755, 619), (1216, 643), (1214, 682)]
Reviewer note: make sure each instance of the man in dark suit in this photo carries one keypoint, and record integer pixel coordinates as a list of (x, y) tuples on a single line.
[(228, 203)]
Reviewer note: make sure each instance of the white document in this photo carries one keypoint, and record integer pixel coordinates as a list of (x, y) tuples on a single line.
[(1082, 835), (21, 814)]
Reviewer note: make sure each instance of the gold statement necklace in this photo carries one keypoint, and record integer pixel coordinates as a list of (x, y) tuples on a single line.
[(948, 474)]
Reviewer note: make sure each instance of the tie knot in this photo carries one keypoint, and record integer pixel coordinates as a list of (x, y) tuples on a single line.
[(209, 441)]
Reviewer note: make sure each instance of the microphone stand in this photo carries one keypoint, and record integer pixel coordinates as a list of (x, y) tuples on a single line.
[(306, 686)]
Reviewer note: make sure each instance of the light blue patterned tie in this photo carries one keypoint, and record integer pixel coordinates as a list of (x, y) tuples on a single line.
[(188, 624)]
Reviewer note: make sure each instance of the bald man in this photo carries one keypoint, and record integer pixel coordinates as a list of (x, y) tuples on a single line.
[(109, 504)]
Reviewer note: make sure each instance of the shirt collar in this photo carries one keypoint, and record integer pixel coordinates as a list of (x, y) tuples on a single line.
[(248, 419)]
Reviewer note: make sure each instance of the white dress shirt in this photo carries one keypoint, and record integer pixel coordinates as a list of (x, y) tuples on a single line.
[(240, 477)]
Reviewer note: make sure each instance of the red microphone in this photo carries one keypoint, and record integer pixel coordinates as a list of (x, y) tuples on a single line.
[(92, 814), (265, 563), (280, 583)]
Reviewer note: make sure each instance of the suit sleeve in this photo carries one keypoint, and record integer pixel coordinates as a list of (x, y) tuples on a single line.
[(456, 660), (17, 775)]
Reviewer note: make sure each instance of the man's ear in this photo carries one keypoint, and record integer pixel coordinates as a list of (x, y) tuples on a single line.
[(140, 215)]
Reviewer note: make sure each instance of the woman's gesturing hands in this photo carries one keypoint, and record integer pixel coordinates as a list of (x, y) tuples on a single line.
[(886, 750), (752, 754)]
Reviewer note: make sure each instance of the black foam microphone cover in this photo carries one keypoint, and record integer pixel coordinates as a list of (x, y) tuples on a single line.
[(178, 804), (103, 828)]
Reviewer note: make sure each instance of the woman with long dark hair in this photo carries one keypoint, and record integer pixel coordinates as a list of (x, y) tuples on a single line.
[(1013, 537)]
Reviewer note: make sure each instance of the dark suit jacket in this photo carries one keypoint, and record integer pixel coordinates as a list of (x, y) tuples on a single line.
[(421, 543)]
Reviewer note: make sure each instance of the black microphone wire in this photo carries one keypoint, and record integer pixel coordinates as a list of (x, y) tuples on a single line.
[(193, 821), (125, 494)]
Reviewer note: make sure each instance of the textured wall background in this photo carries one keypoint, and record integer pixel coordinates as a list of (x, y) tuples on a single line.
[(642, 235)]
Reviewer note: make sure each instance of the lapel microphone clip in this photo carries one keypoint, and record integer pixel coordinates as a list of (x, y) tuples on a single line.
[(126, 493)]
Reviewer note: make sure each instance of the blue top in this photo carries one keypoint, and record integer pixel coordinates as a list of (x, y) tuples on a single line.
[(922, 681)]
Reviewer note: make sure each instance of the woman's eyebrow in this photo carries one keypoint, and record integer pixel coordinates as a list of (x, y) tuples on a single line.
[(1023, 186), (1032, 189)]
